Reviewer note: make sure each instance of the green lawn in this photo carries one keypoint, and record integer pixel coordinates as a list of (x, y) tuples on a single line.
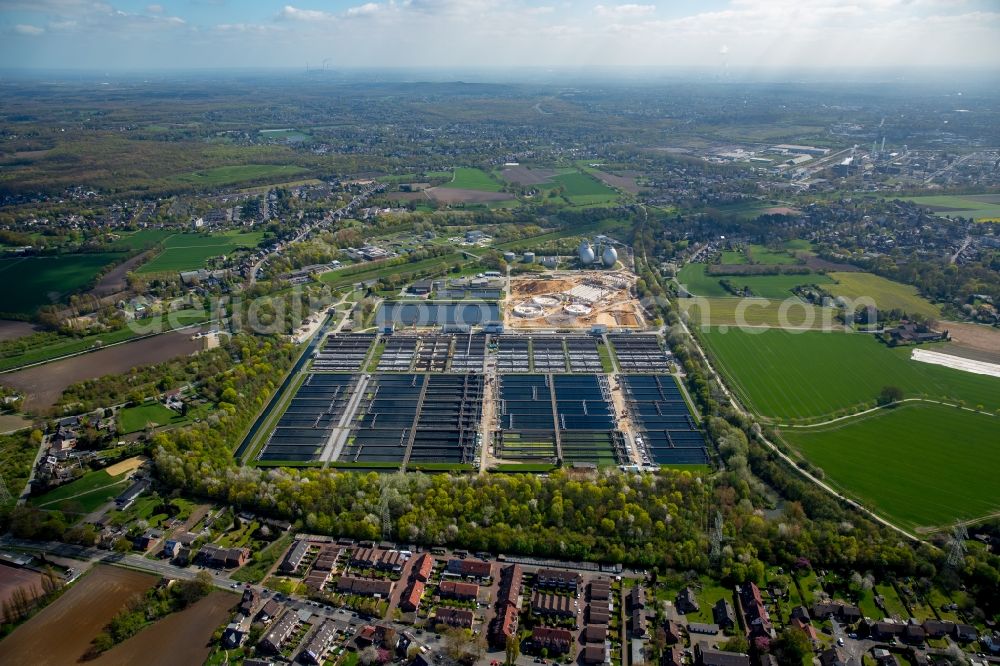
[(83, 495), (190, 251), (473, 179), (263, 560), (46, 280), (376, 270), (134, 419), (805, 375), (979, 207), (227, 175), (920, 464), (698, 282), (17, 454), (888, 295), (583, 189)]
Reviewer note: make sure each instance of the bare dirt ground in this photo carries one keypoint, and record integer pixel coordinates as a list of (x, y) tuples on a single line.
[(780, 210), (11, 330), (61, 633), (453, 195), (114, 280), (179, 638), (623, 183), (405, 196), (817, 264), (11, 579), (982, 341), (126, 465), (12, 422), (44, 384), (616, 310), (523, 175)]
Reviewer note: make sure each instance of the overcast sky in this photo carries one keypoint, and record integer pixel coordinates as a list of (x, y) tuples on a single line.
[(499, 33)]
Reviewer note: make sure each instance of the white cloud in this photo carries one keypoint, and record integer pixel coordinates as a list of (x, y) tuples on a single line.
[(363, 10), (154, 9), (29, 30), (625, 11), (295, 14)]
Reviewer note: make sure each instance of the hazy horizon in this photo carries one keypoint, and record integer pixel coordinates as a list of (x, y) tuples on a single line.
[(722, 36)]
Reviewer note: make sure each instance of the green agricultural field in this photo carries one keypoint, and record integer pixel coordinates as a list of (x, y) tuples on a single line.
[(473, 179), (83, 495), (228, 175), (888, 295), (47, 280), (922, 465), (980, 207), (792, 375), (583, 189), (699, 283), (378, 269), (143, 239), (189, 252), (134, 419), (763, 255), (756, 312)]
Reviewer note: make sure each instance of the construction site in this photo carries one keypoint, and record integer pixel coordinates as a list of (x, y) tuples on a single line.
[(574, 300)]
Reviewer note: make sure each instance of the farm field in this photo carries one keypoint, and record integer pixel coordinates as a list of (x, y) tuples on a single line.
[(582, 189), (144, 238), (44, 384), (64, 346), (789, 375), (158, 644), (188, 252), (134, 419), (75, 618), (699, 283), (922, 465), (763, 255), (473, 179), (976, 206), (46, 280), (888, 295), (756, 312), (227, 175)]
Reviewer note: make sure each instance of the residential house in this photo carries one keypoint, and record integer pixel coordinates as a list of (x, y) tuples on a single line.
[(469, 568), (423, 568), (458, 590), (724, 614), (556, 641), (757, 619), (595, 633), (454, 617), (223, 558), (707, 657), (275, 637), (411, 597), (171, 549), (686, 601), (595, 654), (369, 587), (553, 604), (557, 579), (318, 645), (293, 558)]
